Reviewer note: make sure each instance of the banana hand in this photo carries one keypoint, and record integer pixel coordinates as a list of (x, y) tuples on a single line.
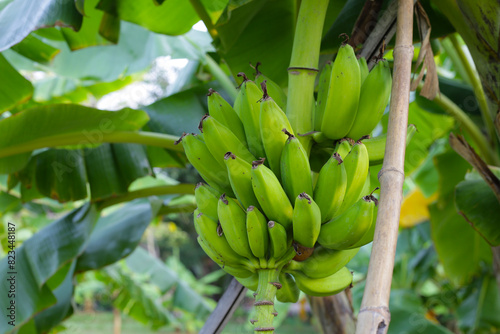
[(326, 286)]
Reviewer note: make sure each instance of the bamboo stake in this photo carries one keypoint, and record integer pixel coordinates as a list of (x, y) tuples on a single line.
[(374, 315)]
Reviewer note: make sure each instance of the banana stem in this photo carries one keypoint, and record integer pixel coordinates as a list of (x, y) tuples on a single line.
[(304, 67), (223, 79), (80, 138), (178, 189), (473, 79), (264, 301), (487, 152)]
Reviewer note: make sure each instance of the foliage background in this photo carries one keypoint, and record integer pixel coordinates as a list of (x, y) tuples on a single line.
[(82, 182)]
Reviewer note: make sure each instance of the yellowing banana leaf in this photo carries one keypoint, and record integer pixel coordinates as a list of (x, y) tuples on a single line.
[(414, 209), (59, 125)]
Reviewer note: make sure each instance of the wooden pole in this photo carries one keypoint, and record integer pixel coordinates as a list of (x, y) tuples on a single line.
[(226, 306), (374, 315)]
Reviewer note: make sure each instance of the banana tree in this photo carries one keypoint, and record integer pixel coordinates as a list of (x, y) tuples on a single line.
[(56, 148)]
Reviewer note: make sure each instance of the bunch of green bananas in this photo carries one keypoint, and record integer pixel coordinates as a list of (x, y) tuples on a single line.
[(264, 216)]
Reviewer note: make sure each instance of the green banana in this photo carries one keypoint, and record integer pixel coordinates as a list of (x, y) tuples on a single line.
[(343, 147), (323, 85), (274, 90), (319, 157), (289, 291), (271, 196), (238, 272), (209, 169), (346, 230), (248, 108), (257, 231), (240, 177), (233, 221), (368, 236), (272, 121), (295, 169), (206, 199), (279, 240), (343, 95), (376, 146), (374, 97), (222, 111), (322, 263), (209, 232), (251, 282), (326, 286), (306, 220), (331, 187), (356, 166), (363, 69), (220, 140)]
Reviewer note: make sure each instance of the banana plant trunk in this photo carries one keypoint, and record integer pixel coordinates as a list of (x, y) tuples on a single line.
[(334, 313)]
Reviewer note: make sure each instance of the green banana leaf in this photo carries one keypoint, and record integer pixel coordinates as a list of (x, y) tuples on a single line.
[(33, 48), (14, 88), (108, 243), (53, 125), (106, 63), (19, 18), (408, 315), (178, 113), (50, 317), (88, 34), (480, 210), (46, 263), (460, 249), (174, 17), (164, 278), (9, 203), (138, 300), (261, 31), (478, 313), (40, 258)]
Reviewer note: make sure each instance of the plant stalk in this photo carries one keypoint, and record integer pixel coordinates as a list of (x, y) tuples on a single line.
[(80, 138), (487, 152), (477, 87), (374, 315), (264, 301), (304, 68), (183, 188), (223, 79)]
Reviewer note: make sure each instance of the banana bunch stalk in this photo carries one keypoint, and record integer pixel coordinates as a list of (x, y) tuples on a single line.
[(263, 215)]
